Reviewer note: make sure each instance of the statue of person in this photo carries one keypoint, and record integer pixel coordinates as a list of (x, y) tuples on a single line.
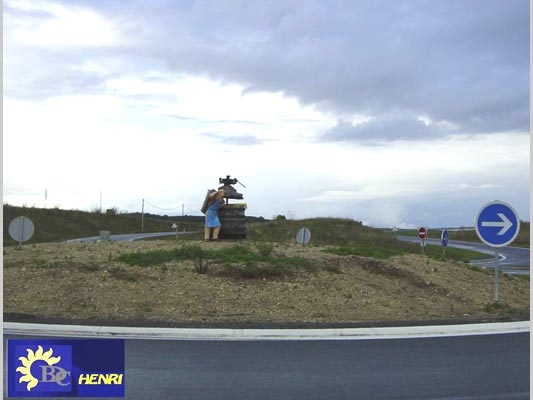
[(212, 222)]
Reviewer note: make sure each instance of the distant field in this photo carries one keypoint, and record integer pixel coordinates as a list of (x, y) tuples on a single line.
[(344, 236), (469, 235)]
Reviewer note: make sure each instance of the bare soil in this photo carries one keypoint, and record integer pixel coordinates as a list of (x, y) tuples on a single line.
[(84, 283)]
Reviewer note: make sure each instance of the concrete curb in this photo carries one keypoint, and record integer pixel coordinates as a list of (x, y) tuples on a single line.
[(85, 331)]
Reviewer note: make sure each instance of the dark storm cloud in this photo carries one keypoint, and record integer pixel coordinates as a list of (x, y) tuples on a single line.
[(461, 61)]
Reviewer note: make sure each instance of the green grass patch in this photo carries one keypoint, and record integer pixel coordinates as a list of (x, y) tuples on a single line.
[(453, 253), (392, 249), (236, 261), (235, 254), (350, 237)]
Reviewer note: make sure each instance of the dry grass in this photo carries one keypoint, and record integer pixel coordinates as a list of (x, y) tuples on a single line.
[(86, 282)]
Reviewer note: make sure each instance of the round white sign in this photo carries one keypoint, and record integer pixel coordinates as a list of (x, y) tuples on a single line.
[(21, 229), (303, 236)]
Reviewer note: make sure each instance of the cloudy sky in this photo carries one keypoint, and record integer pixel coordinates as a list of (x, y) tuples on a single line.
[(394, 113)]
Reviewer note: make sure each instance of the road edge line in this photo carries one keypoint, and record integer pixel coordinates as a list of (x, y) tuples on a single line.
[(85, 331)]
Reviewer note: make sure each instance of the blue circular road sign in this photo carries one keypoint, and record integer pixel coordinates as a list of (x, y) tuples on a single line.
[(497, 224), (444, 238)]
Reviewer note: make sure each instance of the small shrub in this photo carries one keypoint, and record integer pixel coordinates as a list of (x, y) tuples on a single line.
[(201, 265)]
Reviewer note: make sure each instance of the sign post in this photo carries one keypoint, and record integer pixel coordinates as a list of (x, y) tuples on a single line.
[(422, 234), (174, 226), (444, 241), (497, 224)]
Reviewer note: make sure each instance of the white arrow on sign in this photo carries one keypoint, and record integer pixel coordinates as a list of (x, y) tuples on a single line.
[(505, 224)]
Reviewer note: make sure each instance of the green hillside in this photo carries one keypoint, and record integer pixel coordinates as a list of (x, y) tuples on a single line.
[(53, 225)]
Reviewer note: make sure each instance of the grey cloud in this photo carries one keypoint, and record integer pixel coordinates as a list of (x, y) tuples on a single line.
[(384, 128), (41, 73), (463, 61)]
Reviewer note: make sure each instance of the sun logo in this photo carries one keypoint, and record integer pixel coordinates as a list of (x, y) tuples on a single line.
[(27, 362)]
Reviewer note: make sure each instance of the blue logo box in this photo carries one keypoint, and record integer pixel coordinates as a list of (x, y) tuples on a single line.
[(65, 368)]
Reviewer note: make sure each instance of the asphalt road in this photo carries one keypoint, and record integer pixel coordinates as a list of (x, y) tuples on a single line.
[(126, 237), (462, 367), (512, 260)]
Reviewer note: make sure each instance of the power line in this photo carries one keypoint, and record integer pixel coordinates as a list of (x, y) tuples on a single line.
[(161, 208)]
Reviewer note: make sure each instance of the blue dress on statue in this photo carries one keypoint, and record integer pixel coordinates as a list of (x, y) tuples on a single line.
[(211, 216)]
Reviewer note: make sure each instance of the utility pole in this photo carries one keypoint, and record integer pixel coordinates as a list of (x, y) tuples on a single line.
[(142, 218)]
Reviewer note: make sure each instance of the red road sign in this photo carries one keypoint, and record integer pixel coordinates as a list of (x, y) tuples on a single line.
[(422, 233)]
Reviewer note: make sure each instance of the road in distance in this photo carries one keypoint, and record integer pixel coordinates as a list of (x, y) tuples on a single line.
[(512, 260)]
